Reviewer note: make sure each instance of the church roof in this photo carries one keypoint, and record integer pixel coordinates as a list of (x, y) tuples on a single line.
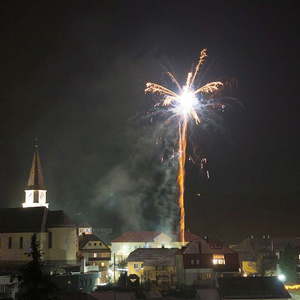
[(36, 178), (32, 219)]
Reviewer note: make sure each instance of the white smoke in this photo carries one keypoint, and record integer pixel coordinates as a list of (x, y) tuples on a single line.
[(142, 191)]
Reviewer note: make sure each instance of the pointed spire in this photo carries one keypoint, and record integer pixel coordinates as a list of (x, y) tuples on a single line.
[(35, 191), (36, 178)]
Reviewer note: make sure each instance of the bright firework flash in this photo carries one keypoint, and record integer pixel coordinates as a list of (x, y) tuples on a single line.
[(184, 104)]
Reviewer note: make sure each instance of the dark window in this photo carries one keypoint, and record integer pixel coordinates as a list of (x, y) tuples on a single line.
[(9, 242), (95, 244), (21, 242), (192, 261), (36, 196), (49, 239)]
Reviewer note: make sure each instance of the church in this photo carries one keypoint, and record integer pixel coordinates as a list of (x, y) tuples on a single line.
[(56, 233)]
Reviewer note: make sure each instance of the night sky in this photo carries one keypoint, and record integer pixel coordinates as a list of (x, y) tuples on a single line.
[(73, 74)]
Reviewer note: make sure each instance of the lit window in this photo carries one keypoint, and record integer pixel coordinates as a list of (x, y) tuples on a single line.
[(299, 256), (218, 259), (197, 261), (192, 261), (102, 264), (95, 254)]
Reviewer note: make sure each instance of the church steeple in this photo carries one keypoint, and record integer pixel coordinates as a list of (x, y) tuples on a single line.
[(35, 191)]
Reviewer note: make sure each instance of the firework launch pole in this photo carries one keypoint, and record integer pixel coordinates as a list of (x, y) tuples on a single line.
[(181, 176)]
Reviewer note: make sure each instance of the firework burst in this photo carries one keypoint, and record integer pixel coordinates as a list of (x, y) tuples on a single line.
[(184, 103)]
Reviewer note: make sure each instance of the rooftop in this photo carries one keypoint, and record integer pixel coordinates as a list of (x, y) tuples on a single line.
[(206, 247), (153, 256), (252, 288), (149, 236), (85, 238)]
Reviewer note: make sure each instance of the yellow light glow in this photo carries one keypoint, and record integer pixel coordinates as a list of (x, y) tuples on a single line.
[(292, 287), (218, 259)]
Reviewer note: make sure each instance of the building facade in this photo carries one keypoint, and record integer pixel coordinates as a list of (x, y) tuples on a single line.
[(123, 245), (96, 255), (56, 234), (154, 266), (202, 261)]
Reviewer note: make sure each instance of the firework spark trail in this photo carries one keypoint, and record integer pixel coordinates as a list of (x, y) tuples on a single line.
[(181, 174), (184, 104)]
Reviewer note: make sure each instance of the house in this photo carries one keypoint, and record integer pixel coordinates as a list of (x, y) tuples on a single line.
[(153, 265), (203, 260), (257, 256), (96, 255), (56, 233), (251, 288), (260, 255), (123, 245)]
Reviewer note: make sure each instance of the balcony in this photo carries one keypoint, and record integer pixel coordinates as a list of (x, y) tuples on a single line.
[(98, 258)]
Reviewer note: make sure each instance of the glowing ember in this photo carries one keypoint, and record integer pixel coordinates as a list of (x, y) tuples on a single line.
[(184, 104)]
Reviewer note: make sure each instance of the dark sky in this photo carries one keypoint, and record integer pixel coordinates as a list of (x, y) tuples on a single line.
[(73, 75)]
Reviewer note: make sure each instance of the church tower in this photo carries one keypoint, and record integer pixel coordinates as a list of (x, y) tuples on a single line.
[(35, 191)]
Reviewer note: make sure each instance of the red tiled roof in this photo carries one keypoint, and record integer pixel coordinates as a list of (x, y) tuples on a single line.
[(188, 237), (139, 236), (149, 236)]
